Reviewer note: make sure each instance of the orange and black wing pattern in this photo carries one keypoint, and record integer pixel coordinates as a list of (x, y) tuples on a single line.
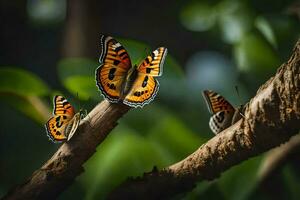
[(216, 103), (62, 106), (57, 125), (145, 86), (143, 91), (115, 63), (153, 64)]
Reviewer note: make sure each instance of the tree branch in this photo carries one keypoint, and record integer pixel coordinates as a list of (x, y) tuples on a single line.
[(271, 118), (66, 164)]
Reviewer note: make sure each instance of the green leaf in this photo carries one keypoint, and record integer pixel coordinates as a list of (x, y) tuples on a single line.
[(123, 154), (21, 82), (174, 137), (85, 86), (291, 182), (235, 19), (137, 51), (22, 89), (78, 77), (198, 16), (256, 56), (265, 28), (31, 106), (238, 182)]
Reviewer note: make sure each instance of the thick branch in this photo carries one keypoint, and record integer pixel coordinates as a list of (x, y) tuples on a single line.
[(66, 164), (271, 118)]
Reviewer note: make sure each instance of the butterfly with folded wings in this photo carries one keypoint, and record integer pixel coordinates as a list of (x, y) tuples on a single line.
[(64, 123), (223, 113)]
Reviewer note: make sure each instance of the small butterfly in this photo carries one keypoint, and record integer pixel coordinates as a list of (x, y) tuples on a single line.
[(119, 81), (65, 121), (223, 113)]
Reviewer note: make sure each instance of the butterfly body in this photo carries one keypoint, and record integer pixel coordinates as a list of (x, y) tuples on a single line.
[(129, 81), (64, 123), (223, 113), (120, 81)]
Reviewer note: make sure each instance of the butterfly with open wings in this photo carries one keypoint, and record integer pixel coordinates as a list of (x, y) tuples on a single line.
[(64, 123), (223, 113), (119, 81)]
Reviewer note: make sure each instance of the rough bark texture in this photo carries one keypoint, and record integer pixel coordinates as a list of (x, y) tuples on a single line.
[(66, 164), (271, 118)]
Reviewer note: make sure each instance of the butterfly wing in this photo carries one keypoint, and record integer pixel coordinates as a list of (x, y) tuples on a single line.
[(222, 111), (220, 121), (73, 125), (62, 106), (153, 64), (115, 63), (57, 126), (145, 86), (143, 91), (216, 103)]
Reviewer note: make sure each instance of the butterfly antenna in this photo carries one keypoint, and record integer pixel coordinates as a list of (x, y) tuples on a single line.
[(239, 97), (85, 112), (238, 93)]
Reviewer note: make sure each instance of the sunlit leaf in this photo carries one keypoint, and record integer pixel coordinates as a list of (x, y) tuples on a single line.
[(21, 82), (21, 89), (78, 76), (31, 106), (84, 86)]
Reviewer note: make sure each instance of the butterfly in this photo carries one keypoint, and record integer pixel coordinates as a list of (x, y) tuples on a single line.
[(119, 81), (63, 124), (223, 113)]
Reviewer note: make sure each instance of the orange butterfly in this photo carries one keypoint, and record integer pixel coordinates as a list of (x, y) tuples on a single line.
[(223, 113), (119, 81), (64, 123)]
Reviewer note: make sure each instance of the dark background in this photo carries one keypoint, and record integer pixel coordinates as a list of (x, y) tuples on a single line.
[(51, 47)]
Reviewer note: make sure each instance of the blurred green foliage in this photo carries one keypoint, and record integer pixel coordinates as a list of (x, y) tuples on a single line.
[(252, 40)]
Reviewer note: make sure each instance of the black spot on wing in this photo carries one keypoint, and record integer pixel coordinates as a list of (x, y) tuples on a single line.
[(144, 84), (111, 73), (116, 62), (220, 117), (57, 119), (122, 54)]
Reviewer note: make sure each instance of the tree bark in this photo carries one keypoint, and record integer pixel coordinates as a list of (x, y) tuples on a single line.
[(271, 118)]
